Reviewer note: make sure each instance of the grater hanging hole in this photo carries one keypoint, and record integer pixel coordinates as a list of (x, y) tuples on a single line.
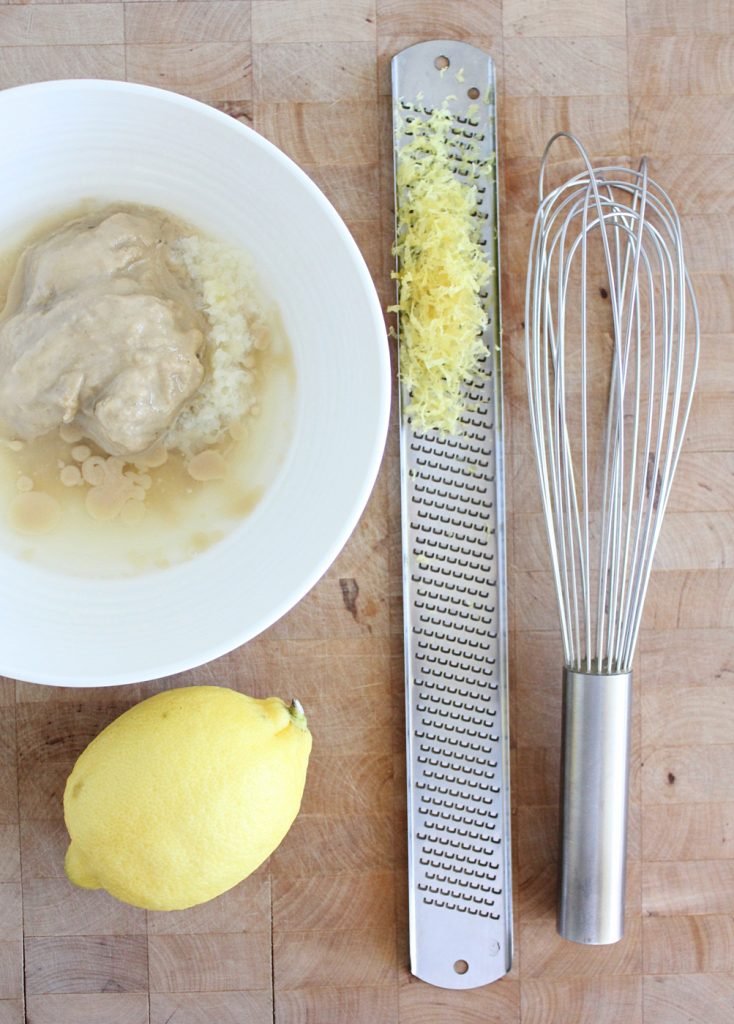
[(461, 966)]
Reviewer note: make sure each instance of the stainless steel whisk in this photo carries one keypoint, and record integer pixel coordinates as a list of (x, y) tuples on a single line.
[(607, 440)]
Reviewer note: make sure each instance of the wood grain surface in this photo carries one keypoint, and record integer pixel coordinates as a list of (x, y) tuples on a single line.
[(318, 934)]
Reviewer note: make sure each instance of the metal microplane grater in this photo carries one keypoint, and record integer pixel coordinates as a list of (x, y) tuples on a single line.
[(454, 600)]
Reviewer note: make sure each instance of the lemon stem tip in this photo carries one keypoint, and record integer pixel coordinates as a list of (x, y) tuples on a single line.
[(296, 711)]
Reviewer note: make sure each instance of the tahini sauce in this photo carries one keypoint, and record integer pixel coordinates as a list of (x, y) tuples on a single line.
[(188, 504)]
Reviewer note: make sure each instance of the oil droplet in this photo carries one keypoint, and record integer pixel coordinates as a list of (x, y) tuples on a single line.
[(157, 456), (243, 504), (132, 512), (202, 540), (207, 465), (34, 512), (93, 470), (70, 433), (71, 476)]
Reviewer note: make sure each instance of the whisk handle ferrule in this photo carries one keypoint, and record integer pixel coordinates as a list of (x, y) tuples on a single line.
[(594, 785)]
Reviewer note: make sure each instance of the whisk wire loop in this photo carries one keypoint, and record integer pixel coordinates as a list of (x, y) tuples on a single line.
[(604, 495)]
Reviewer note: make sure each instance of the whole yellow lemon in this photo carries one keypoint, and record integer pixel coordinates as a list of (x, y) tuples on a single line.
[(184, 795)]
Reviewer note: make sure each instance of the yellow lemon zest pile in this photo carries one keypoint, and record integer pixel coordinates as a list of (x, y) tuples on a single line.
[(442, 269)]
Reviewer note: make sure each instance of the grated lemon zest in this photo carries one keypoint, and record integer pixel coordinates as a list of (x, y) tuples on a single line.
[(441, 270)]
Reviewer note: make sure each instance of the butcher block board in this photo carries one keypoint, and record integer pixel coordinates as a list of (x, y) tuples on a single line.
[(318, 934)]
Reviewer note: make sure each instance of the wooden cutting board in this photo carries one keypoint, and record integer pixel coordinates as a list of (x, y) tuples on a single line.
[(318, 935)]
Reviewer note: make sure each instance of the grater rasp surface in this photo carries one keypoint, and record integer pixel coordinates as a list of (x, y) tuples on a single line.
[(454, 601)]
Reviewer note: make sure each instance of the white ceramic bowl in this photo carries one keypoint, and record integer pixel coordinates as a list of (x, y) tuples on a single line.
[(64, 141)]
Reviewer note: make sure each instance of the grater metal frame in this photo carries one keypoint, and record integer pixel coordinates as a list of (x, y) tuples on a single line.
[(455, 604)]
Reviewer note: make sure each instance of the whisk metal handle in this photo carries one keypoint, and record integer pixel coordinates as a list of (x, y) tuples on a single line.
[(594, 784)]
